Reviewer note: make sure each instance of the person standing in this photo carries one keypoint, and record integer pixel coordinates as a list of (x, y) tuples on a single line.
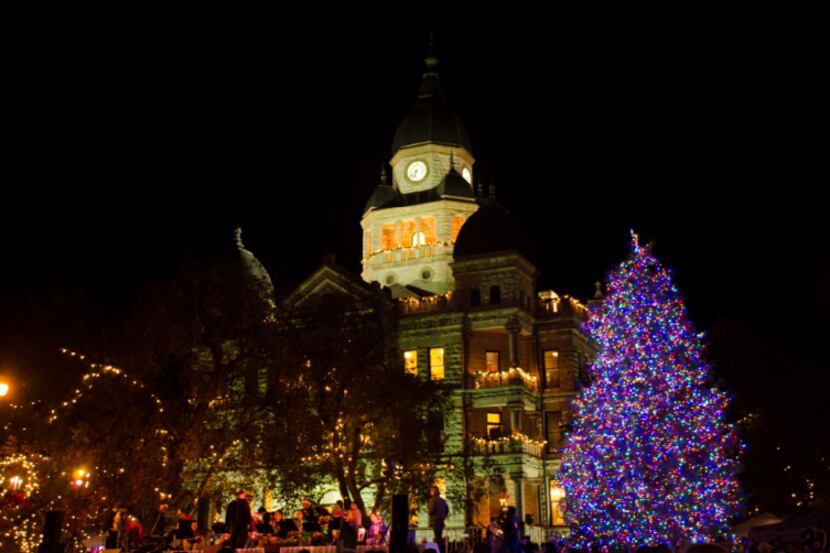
[(238, 520), (438, 513), (311, 521), (510, 531)]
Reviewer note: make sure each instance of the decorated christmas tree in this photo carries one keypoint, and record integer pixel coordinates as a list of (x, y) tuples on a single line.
[(650, 457)]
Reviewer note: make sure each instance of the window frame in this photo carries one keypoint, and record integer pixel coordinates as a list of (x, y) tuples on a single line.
[(432, 365), (549, 382), (407, 366), (552, 447), (490, 426), (487, 355)]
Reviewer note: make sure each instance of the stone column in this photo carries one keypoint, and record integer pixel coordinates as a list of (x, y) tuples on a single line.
[(515, 410), (534, 484), (512, 328), (517, 481)]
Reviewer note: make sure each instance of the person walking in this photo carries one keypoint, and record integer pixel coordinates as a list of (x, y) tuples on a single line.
[(438, 513), (238, 520)]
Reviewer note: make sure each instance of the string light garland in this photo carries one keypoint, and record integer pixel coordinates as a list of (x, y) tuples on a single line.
[(491, 379), (19, 482), (650, 457), (516, 442)]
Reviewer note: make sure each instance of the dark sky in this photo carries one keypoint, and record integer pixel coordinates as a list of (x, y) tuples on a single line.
[(705, 132)]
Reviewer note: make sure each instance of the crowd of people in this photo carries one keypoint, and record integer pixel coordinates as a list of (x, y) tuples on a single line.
[(342, 525)]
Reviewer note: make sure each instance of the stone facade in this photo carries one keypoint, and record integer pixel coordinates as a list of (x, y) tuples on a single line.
[(511, 409), (510, 356), (425, 266)]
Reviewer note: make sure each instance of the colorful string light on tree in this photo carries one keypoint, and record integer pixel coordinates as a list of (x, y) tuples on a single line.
[(650, 458)]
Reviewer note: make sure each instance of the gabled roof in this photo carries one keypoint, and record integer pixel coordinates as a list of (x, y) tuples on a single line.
[(332, 278)]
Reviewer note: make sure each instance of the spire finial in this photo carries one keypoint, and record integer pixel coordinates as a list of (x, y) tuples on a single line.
[(237, 236), (431, 61), (598, 292)]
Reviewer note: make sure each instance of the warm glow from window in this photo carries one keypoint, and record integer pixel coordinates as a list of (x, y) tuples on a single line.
[(551, 368), (436, 363), (418, 239), (410, 362), (557, 504), (457, 222), (407, 230), (494, 428), (390, 237), (426, 225), (492, 361)]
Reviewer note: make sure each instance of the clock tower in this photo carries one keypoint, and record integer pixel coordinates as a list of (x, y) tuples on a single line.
[(410, 226)]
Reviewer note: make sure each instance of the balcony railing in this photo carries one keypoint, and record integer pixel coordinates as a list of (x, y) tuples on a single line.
[(404, 254), (515, 443), (514, 376), (427, 304)]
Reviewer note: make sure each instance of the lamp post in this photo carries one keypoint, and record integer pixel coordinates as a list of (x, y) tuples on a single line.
[(78, 482)]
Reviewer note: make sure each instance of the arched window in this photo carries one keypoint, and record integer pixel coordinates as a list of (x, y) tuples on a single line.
[(418, 239), (495, 294), (475, 297)]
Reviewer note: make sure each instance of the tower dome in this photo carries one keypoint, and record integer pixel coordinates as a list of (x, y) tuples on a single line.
[(492, 230), (254, 272), (431, 120)]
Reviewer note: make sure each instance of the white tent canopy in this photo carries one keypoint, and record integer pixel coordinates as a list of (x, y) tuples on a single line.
[(764, 519)]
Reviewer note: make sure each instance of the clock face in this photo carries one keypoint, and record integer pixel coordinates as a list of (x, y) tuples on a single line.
[(468, 176), (416, 171)]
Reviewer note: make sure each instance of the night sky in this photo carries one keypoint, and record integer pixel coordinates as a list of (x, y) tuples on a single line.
[(703, 133)]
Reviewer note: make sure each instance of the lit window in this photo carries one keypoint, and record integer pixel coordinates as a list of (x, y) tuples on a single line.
[(426, 225), (557, 504), (410, 362), (492, 361), (407, 231), (418, 239), (436, 363), (551, 368), (494, 427), (457, 222), (390, 236)]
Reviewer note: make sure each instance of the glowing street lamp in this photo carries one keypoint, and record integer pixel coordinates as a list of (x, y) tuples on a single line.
[(80, 479), (4, 389)]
